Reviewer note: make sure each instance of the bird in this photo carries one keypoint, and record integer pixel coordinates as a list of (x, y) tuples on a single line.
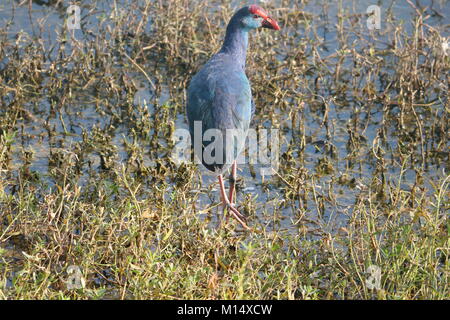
[(219, 100)]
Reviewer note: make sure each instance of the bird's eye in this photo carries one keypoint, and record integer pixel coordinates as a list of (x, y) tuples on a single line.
[(255, 16)]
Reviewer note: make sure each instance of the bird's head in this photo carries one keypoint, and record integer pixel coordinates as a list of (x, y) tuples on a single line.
[(254, 16)]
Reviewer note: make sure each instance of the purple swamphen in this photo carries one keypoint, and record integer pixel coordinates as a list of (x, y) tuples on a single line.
[(219, 98)]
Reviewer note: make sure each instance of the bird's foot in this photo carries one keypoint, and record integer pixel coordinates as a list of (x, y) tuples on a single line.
[(228, 204), (232, 208), (237, 215)]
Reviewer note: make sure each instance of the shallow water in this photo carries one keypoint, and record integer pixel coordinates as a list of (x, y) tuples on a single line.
[(85, 116)]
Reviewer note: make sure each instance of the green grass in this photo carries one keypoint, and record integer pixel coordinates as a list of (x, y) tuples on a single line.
[(86, 177)]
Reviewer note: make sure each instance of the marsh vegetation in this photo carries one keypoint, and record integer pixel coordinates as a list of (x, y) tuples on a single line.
[(86, 178)]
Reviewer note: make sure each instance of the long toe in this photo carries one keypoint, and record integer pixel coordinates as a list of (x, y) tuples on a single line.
[(236, 211), (238, 216)]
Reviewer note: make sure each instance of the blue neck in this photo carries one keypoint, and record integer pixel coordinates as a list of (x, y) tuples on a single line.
[(235, 43)]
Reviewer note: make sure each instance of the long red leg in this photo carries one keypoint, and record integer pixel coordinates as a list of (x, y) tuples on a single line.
[(239, 217), (233, 177)]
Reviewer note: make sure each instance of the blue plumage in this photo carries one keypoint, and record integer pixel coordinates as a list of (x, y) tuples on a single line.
[(220, 96), (219, 99)]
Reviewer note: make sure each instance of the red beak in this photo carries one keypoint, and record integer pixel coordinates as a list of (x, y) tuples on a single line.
[(270, 24)]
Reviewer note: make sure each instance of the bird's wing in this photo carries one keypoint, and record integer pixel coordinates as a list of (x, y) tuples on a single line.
[(199, 98), (232, 103), (220, 98), (253, 107)]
